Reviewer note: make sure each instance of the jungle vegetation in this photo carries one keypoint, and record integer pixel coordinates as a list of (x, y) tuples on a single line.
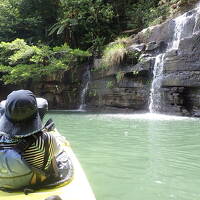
[(38, 37)]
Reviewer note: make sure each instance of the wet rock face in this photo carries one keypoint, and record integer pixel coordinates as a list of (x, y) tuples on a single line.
[(121, 87), (180, 84), (181, 77), (62, 90)]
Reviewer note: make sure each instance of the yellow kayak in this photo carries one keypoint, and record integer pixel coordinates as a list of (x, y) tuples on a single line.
[(77, 189)]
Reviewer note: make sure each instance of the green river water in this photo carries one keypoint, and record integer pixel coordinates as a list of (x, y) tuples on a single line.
[(135, 156)]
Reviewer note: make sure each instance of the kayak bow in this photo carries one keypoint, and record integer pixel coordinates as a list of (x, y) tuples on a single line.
[(77, 189)]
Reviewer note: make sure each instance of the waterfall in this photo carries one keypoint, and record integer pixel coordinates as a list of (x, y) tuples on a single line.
[(155, 95), (179, 25), (196, 27), (85, 85)]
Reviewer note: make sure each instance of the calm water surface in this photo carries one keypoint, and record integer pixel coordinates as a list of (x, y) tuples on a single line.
[(136, 157)]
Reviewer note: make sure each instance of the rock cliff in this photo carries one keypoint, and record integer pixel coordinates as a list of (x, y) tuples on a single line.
[(136, 84), (62, 90), (129, 85)]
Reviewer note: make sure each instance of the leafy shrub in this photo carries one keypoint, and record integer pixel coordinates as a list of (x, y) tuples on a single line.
[(120, 76), (20, 61), (115, 52), (109, 84), (84, 23)]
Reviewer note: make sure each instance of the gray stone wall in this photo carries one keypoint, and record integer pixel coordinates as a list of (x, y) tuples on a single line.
[(180, 87), (62, 89), (121, 87)]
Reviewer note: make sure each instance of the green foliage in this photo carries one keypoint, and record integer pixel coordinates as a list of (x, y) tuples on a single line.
[(27, 19), (135, 72), (120, 76), (144, 13), (132, 57), (109, 84), (17, 50), (93, 93), (84, 23), (115, 52), (20, 61), (178, 6), (45, 27), (9, 19)]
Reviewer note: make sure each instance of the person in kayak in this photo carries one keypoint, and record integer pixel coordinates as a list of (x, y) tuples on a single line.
[(42, 105), (28, 152)]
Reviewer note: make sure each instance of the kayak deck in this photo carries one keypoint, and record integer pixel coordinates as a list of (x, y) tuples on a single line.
[(78, 189)]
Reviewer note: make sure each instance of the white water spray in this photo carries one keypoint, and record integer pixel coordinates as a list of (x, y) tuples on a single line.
[(83, 94), (155, 95), (86, 80)]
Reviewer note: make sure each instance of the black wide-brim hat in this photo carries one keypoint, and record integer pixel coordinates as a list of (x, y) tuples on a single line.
[(21, 117)]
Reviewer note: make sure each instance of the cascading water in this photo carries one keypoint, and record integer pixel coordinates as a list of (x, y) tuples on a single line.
[(155, 95), (85, 85), (196, 27)]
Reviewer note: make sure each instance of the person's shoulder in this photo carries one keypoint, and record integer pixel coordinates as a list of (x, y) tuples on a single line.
[(49, 136)]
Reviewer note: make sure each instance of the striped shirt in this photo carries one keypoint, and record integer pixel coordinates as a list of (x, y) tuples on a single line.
[(36, 154)]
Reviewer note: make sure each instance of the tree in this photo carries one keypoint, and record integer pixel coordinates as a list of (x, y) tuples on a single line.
[(84, 23), (27, 19), (43, 14), (20, 62)]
